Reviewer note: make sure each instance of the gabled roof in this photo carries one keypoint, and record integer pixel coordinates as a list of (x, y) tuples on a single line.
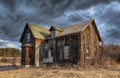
[(43, 33), (37, 31), (78, 28), (74, 28)]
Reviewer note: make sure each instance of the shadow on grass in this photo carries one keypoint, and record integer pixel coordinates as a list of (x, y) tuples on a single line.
[(7, 68)]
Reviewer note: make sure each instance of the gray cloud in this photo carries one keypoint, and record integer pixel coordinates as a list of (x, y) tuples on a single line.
[(114, 34), (15, 13), (111, 18), (75, 17)]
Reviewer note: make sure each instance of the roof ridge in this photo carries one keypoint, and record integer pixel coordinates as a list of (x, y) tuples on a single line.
[(30, 24), (88, 23), (78, 23), (76, 28)]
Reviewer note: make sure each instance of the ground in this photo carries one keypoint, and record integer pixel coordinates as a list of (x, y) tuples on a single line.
[(82, 72)]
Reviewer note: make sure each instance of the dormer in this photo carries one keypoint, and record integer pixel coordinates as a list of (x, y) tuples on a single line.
[(54, 31)]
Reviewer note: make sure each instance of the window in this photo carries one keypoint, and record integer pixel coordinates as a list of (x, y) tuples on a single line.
[(87, 52), (66, 52), (95, 46), (83, 37), (51, 50), (95, 43), (46, 50), (88, 36), (52, 33), (46, 54), (28, 37)]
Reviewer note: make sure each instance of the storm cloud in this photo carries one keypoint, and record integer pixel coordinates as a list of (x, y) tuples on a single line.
[(15, 13)]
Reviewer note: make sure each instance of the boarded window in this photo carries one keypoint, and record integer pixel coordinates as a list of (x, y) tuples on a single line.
[(66, 52)]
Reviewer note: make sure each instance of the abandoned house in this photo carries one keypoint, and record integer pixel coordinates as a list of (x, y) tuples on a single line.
[(76, 44)]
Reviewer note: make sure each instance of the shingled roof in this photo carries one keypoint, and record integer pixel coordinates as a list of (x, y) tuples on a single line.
[(37, 31), (78, 28), (75, 28), (42, 33)]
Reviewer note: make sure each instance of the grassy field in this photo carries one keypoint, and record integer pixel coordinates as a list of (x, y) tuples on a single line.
[(82, 72)]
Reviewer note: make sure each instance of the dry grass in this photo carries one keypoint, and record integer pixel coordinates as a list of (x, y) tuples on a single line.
[(105, 66), (82, 72)]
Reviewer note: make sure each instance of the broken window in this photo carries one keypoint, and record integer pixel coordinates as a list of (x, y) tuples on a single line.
[(46, 50), (51, 52), (46, 53), (66, 52), (87, 52)]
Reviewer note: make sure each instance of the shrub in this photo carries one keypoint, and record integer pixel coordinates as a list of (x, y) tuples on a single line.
[(109, 55), (9, 52), (3, 59)]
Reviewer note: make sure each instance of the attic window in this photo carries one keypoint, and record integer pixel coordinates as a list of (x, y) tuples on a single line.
[(52, 33), (28, 37)]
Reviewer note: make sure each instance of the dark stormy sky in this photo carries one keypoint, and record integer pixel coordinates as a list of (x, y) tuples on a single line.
[(15, 13)]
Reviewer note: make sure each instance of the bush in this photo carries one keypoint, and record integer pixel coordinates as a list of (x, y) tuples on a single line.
[(9, 52), (3, 59), (109, 55)]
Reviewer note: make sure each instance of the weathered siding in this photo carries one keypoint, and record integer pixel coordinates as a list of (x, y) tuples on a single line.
[(95, 41), (37, 51), (89, 39), (82, 53), (23, 54), (72, 41)]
